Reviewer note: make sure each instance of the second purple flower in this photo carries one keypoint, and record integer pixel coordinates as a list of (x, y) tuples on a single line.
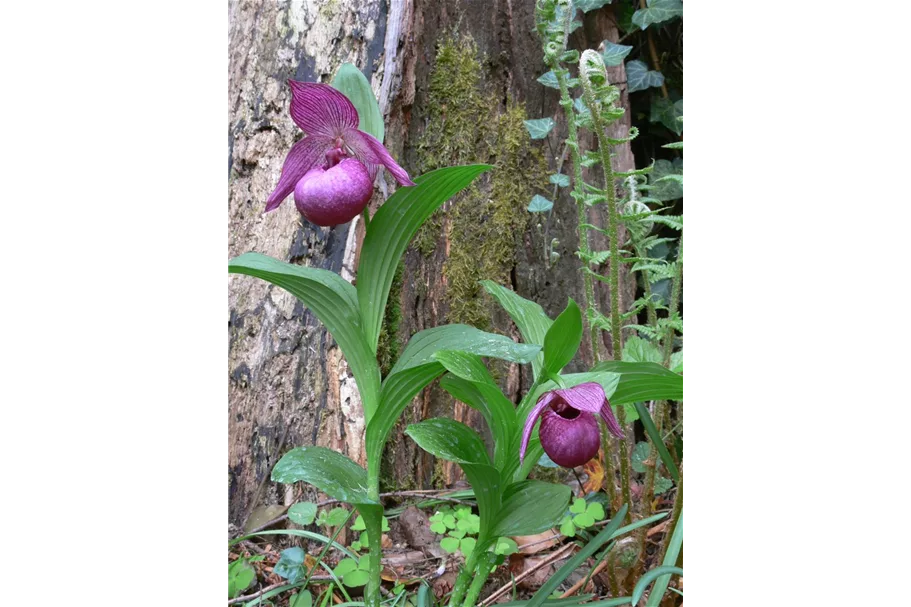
[(569, 431)]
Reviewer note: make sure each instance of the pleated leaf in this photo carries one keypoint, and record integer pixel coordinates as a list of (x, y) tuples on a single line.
[(329, 471)]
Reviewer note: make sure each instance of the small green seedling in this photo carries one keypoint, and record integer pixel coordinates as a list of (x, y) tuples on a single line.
[(291, 564), (332, 518), (353, 573), (459, 525), (241, 575), (302, 513), (637, 459), (581, 516)]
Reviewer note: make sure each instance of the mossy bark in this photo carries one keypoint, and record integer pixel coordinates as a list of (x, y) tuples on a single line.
[(454, 84)]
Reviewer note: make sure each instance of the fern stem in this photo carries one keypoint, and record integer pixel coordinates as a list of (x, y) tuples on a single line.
[(572, 142)]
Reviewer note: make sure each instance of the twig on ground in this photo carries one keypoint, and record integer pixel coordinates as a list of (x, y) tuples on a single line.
[(578, 585), (250, 597), (556, 556)]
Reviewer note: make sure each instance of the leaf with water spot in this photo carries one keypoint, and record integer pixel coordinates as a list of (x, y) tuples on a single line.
[(330, 472)]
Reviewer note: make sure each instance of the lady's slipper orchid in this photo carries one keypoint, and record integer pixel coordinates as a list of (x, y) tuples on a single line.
[(569, 431), (331, 170)]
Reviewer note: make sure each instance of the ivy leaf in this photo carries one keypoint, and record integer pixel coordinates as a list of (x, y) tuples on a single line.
[(667, 113), (302, 513), (625, 12), (589, 5), (550, 80), (639, 455), (560, 179), (639, 77), (539, 128), (614, 54), (658, 11), (539, 204), (666, 190), (662, 485), (290, 565)]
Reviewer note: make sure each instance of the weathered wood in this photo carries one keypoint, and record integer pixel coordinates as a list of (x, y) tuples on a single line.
[(286, 373)]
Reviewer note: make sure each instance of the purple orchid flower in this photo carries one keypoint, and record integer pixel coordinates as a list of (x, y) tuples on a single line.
[(331, 170), (569, 431)]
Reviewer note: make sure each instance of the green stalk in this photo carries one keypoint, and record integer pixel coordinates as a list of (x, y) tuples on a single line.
[(373, 521), (613, 228), (483, 572), (464, 578), (572, 142)]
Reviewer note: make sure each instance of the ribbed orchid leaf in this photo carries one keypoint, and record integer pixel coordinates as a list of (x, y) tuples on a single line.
[(563, 339), (355, 86), (531, 507), (329, 471), (529, 317), (642, 382)]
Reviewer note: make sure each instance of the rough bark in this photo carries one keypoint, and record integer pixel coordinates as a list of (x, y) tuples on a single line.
[(288, 383)]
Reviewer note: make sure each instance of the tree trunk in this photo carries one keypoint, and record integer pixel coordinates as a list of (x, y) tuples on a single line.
[(454, 79)]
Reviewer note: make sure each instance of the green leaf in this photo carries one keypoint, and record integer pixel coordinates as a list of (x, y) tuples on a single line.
[(344, 567), (638, 350), (291, 564), (359, 524), (539, 204), (584, 520), (642, 382), (333, 518), (624, 13), (505, 546), (356, 578), (658, 11), (560, 179), (240, 576), (670, 558), (563, 339), (464, 338), (576, 561), (589, 5), (389, 233), (667, 112), (650, 576), (567, 528), (330, 472), (578, 506), (498, 411), (529, 317), (677, 362), (450, 440), (531, 507), (657, 440), (334, 302), (302, 513), (438, 527), (355, 86), (595, 510), (662, 484), (614, 54), (665, 190), (464, 365), (467, 545), (449, 544), (301, 599), (639, 77), (674, 145), (639, 455), (539, 128), (549, 80)]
